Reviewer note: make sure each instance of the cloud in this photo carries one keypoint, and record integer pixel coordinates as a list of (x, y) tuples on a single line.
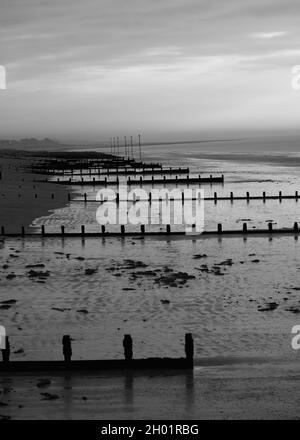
[(269, 35)]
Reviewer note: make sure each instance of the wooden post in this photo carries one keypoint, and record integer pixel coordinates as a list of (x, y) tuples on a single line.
[(245, 227), (84, 195), (248, 195), (168, 229), (82, 230), (6, 351), (143, 229), (150, 196), (182, 196), (189, 347), (296, 229), (62, 230), (264, 195), (219, 228), (43, 230), (296, 194), (231, 196), (270, 227), (280, 195), (103, 229), (215, 196), (122, 229), (127, 344), (67, 348)]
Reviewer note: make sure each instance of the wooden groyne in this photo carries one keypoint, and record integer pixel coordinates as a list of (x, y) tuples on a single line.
[(214, 198), (167, 232), (128, 363), (141, 181), (122, 172)]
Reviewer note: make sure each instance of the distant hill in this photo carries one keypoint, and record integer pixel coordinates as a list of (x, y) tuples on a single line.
[(32, 144)]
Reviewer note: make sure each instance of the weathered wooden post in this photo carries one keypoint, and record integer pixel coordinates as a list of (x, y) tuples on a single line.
[(103, 229), (67, 348), (231, 196), (270, 227), (82, 230), (219, 228), (215, 196), (168, 229), (296, 195), (122, 229), (296, 229), (280, 195), (127, 344), (245, 227), (264, 196), (143, 229), (6, 351), (62, 230), (189, 347), (248, 195)]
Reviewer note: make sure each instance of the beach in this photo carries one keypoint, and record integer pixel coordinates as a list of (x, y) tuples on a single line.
[(238, 296)]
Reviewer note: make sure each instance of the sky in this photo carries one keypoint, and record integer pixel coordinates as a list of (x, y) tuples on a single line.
[(169, 69)]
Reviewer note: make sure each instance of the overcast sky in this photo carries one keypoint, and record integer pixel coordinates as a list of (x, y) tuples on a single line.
[(91, 69)]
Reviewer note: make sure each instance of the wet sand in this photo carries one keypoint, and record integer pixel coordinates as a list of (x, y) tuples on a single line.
[(241, 391), (239, 298), (19, 206)]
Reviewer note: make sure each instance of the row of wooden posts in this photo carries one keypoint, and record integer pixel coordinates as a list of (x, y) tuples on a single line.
[(127, 347), (140, 181), (168, 231), (117, 171), (215, 197)]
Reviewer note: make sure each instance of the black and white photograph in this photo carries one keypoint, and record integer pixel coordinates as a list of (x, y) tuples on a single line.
[(149, 214)]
